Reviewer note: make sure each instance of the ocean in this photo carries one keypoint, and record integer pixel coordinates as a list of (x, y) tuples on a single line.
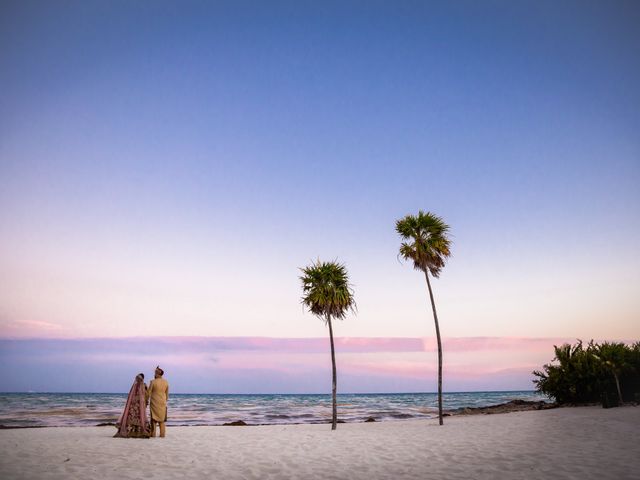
[(90, 409)]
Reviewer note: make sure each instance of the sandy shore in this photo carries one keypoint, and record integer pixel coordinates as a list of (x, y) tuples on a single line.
[(566, 443)]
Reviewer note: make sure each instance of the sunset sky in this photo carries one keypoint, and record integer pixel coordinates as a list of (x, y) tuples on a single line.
[(167, 167)]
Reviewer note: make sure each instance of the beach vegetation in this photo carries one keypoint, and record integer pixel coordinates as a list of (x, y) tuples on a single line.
[(326, 293), (607, 372), (426, 243)]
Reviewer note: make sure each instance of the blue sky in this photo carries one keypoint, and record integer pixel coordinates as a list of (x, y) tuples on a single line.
[(165, 167)]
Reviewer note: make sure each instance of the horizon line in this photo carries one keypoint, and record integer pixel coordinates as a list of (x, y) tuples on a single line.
[(280, 393)]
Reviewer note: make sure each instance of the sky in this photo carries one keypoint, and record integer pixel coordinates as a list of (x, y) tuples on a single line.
[(272, 365), (167, 167)]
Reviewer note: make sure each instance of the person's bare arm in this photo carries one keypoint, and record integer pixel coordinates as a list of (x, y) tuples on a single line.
[(148, 392)]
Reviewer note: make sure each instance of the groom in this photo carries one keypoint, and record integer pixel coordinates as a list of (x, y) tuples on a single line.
[(158, 394)]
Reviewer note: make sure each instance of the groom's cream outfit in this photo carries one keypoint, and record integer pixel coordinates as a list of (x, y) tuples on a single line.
[(158, 393)]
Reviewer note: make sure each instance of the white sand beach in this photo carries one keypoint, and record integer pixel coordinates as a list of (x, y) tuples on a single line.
[(565, 443)]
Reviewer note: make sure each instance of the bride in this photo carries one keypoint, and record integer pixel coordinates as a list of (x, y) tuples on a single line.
[(133, 421)]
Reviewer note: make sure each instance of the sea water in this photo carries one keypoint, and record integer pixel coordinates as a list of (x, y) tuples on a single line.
[(90, 409)]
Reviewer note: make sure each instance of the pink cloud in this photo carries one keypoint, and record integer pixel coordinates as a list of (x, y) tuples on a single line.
[(295, 364), (28, 328), (342, 344), (469, 344), (402, 368)]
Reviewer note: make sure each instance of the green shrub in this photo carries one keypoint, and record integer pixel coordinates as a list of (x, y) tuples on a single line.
[(591, 373)]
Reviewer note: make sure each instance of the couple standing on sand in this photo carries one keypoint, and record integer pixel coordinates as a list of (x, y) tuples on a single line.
[(133, 421)]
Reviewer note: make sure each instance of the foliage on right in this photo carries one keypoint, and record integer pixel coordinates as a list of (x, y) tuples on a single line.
[(608, 372)]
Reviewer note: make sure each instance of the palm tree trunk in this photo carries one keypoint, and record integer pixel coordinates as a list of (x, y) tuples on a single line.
[(615, 375), (334, 414), (435, 319)]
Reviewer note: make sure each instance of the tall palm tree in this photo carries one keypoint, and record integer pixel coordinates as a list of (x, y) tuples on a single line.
[(426, 244), (326, 293)]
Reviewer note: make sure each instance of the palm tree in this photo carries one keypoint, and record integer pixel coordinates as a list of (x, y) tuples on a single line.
[(611, 355), (425, 242), (326, 293)]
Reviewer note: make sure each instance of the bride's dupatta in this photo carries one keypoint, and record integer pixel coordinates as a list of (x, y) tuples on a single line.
[(133, 421)]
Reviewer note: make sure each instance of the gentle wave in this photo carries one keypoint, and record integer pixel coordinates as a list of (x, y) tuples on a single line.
[(86, 409)]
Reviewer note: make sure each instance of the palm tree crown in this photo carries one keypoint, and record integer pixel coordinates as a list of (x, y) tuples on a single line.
[(425, 241), (326, 290)]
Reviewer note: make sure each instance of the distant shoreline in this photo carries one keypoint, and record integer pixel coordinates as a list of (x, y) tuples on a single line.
[(289, 394), (506, 407), (91, 409)]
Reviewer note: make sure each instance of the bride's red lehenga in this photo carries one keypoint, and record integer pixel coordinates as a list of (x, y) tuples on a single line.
[(133, 421)]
